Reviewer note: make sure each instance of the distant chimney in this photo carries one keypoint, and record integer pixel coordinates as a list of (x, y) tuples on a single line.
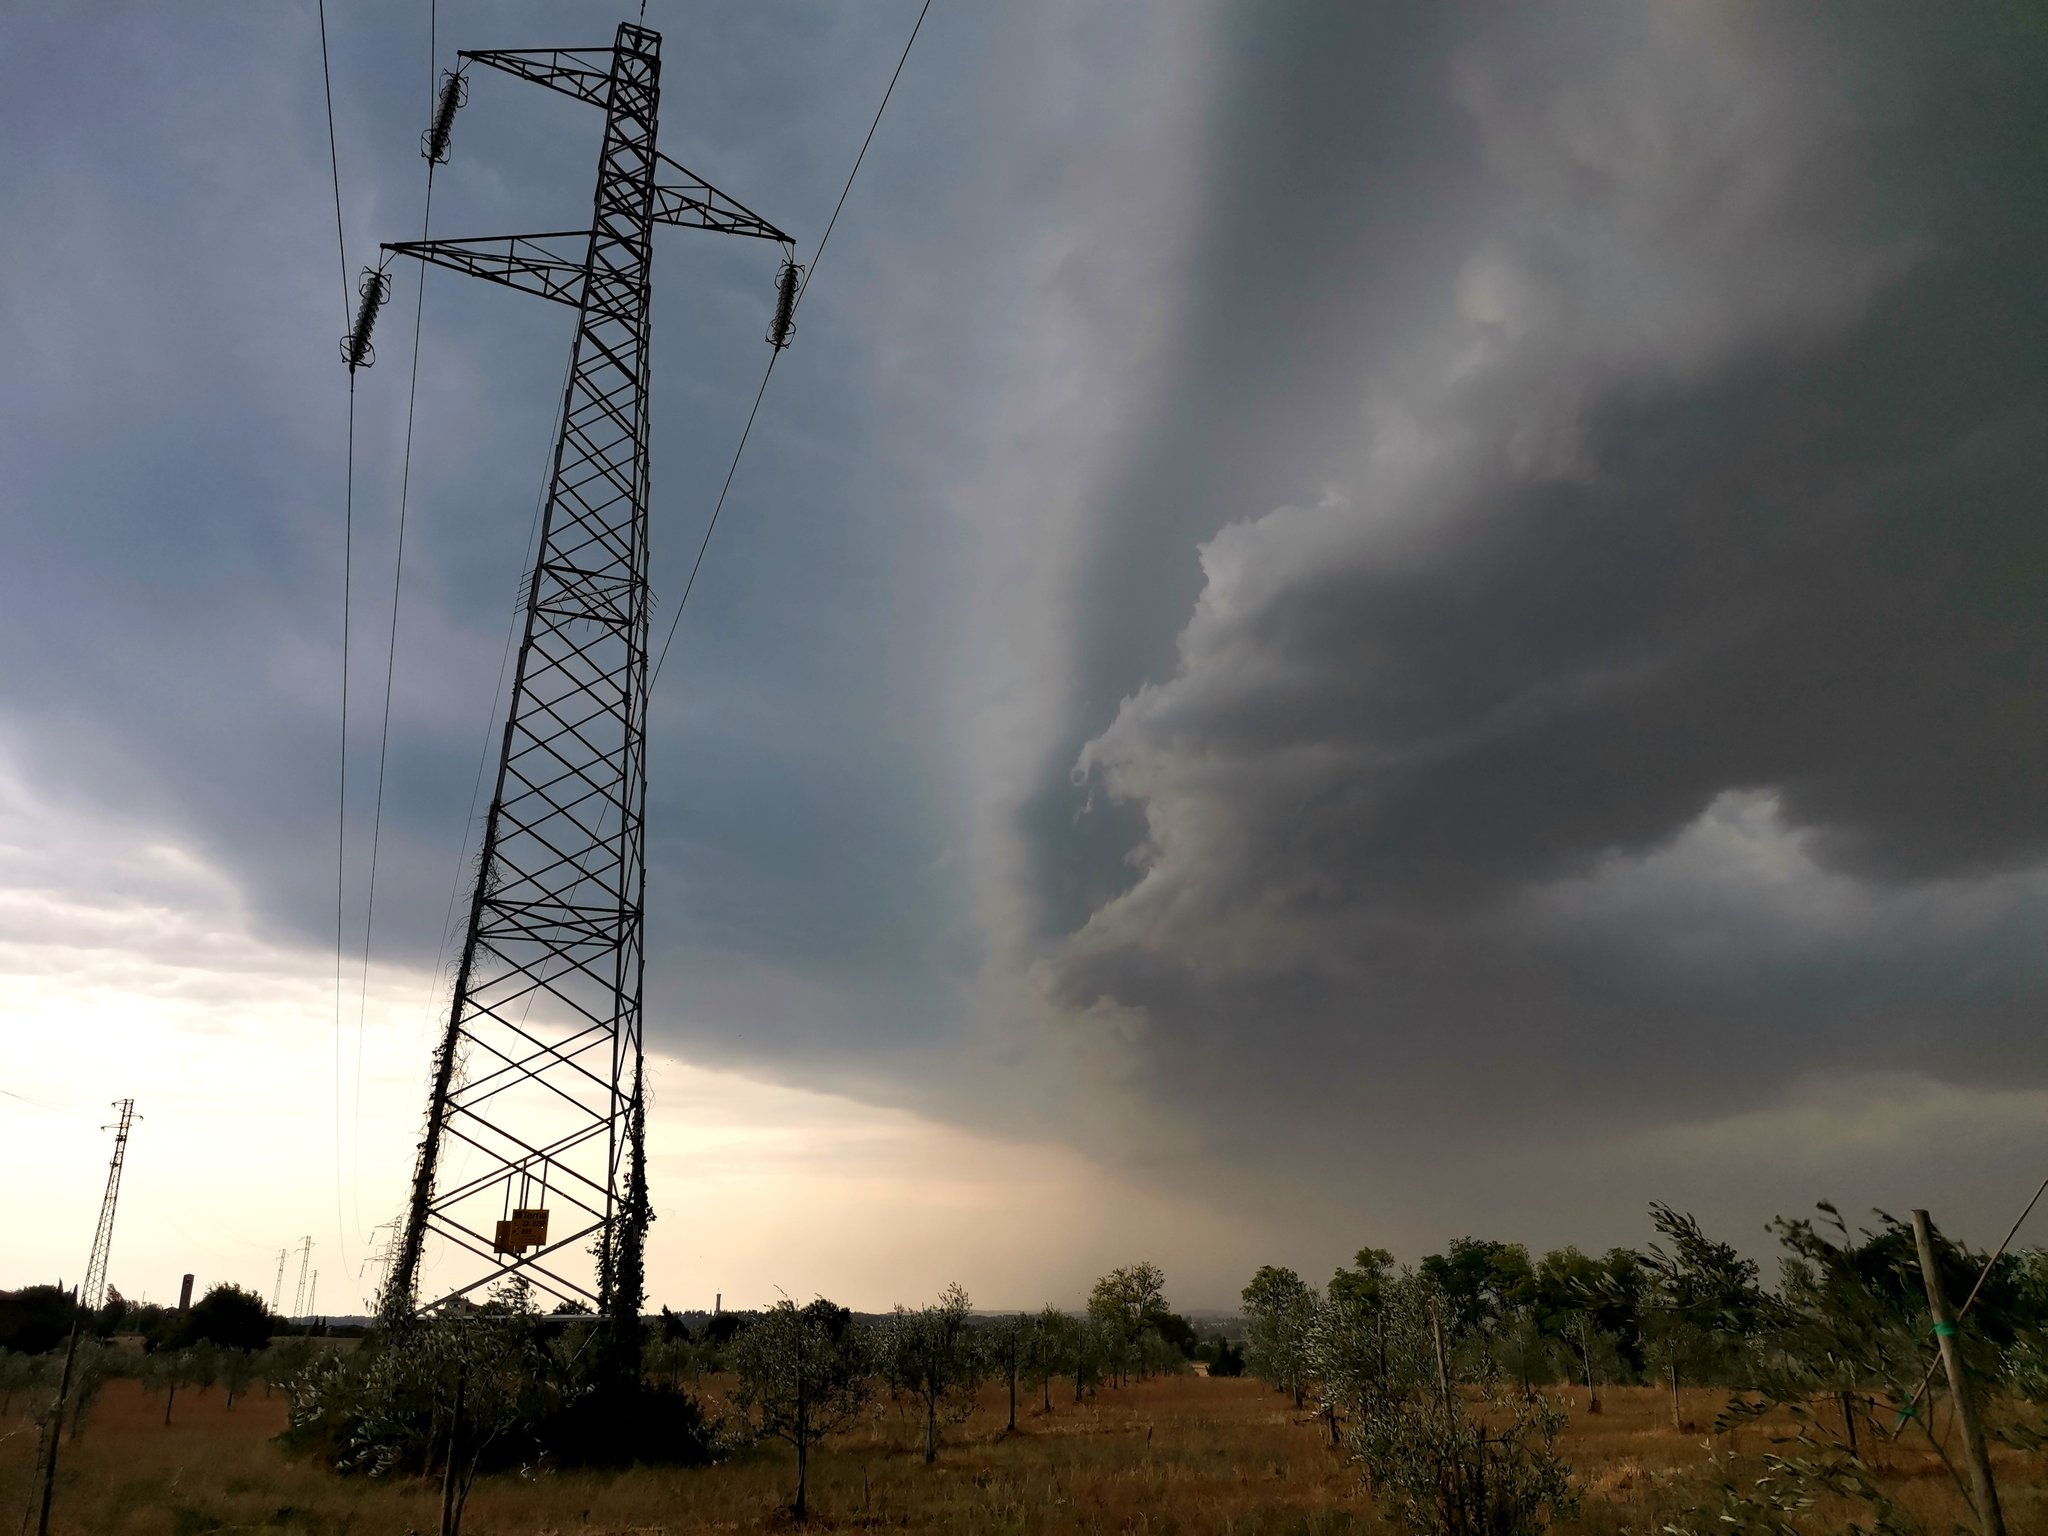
[(185, 1295), (718, 1303)]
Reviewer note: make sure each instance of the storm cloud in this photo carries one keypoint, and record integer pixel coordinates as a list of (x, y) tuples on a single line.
[(1328, 592), (1645, 713)]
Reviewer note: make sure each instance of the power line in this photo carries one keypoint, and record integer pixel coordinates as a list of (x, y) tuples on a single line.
[(347, 583), (341, 793), (769, 372), (391, 647), (68, 1109), (333, 160)]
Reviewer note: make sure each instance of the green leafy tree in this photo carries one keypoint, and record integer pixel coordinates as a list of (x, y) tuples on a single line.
[(804, 1373), (1701, 1300), (1569, 1286), (36, 1319), (1488, 1290), (1176, 1332), (1123, 1304), (932, 1354), (1221, 1356), (229, 1317)]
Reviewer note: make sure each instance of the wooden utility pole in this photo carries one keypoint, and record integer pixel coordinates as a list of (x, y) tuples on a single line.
[(56, 1427), (1983, 1492)]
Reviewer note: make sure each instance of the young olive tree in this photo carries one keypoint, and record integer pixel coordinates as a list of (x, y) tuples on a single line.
[(1008, 1346), (1442, 1459), (931, 1353), (1279, 1312), (1845, 1333), (804, 1373), (1050, 1343)]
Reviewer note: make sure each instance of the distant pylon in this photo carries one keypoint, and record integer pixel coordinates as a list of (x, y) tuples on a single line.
[(299, 1296), (94, 1292), (379, 1253), (277, 1287), (312, 1293)]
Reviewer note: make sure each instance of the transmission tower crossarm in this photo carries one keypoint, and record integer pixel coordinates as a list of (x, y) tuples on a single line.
[(694, 203), (584, 73), (516, 261)]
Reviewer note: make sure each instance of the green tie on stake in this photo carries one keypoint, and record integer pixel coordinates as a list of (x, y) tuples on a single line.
[(1939, 1331)]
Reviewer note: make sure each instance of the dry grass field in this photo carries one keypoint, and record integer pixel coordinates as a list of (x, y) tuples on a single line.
[(1184, 1454)]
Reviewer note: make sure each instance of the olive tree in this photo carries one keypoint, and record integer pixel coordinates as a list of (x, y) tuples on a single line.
[(1279, 1313), (804, 1373), (1439, 1462), (931, 1353), (1009, 1348)]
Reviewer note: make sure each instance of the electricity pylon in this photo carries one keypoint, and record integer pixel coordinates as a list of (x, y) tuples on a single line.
[(94, 1293), (537, 1077), (299, 1294)]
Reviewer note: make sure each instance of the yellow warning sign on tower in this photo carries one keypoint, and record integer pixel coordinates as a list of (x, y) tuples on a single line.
[(526, 1228)]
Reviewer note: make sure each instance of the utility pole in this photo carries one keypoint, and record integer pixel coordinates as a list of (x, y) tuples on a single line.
[(537, 1076), (277, 1288), (299, 1295), (1983, 1492), (94, 1293), (53, 1429)]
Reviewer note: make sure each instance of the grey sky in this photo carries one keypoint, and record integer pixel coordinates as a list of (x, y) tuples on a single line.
[(1329, 593)]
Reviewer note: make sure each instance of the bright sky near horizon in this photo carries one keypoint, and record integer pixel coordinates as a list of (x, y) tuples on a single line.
[(1348, 624)]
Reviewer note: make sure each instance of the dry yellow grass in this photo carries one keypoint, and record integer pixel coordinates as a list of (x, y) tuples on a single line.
[(1177, 1455)]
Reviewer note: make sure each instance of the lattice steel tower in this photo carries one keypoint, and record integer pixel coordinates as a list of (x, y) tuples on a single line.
[(537, 1079), (94, 1294)]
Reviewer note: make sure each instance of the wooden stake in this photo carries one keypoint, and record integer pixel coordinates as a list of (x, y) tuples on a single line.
[(1443, 1363), (1984, 1492)]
